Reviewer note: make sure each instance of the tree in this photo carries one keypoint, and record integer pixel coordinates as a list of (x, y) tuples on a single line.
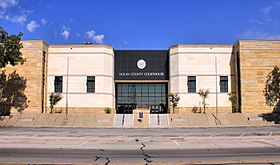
[(174, 100), (272, 88), (54, 99), (203, 94), (10, 49), (233, 99)]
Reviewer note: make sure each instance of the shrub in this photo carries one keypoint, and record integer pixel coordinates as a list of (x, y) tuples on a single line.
[(54, 99), (107, 110), (234, 102), (174, 100)]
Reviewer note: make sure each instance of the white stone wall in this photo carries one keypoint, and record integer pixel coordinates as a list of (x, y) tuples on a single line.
[(199, 61), (84, 60), (98, 61)]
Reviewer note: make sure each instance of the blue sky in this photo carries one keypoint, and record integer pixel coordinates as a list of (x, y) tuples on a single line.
[(142, 24)]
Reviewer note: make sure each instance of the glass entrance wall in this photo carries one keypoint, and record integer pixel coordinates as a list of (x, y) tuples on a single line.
[(141, 95)]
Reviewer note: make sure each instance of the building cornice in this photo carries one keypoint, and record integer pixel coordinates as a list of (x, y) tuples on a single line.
[(26, 41)]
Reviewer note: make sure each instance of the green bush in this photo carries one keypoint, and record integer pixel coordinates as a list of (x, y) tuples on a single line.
[(233, 98), (107, 110), (54, 99)]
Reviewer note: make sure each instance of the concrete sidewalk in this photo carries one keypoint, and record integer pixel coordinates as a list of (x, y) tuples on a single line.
[(108, 120)]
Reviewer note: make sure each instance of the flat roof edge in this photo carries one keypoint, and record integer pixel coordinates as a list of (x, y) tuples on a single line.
[(44, 42), (200, 45), (258, 40), (79, 45)]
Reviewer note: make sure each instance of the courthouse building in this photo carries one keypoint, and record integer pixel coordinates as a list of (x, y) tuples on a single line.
[(91, 77)]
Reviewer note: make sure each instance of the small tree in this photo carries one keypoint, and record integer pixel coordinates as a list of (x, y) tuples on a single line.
[(233, 99), (203, 94), (272, 88), (174, 100), (10, 49), (54, 99)]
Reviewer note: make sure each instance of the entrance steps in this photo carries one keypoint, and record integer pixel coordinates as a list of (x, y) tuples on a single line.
[(123, 120), (118, 119), (158, 119), (129, 120)]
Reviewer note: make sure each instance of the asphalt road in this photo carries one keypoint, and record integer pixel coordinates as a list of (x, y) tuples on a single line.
[(92, 156), (226, 145)]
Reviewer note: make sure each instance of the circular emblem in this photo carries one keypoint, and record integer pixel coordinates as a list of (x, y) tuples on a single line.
[(141, 64)]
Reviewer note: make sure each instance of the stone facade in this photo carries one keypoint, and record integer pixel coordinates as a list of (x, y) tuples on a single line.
[(256, 59), (35, 71), (83, 61), (199, 61), (246, 64)]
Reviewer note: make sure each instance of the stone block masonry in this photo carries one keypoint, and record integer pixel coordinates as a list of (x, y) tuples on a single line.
[(33, 71), (257, 58)]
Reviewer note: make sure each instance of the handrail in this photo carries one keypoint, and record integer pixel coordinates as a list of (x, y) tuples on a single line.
[(217, 120), (123, 120)]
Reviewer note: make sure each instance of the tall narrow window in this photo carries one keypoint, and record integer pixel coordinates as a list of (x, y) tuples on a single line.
[(90, 84), (223, 83), (191, 84), (58, 84)]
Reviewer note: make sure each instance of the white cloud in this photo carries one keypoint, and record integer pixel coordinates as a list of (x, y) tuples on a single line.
[(18, 19), (5, 4), (256, 22), (65, 32), (251, 34), (97, 38), (32, 26), (44, 21), (266, 10), (78, 35), (265, 16), (90, 34)]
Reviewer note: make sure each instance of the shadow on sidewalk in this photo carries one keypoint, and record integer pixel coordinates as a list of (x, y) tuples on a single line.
[(274, 116)]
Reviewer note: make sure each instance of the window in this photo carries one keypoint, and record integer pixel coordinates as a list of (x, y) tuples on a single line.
[(90, 84), (191, 84), (58, 84), (141, 95), (223, 83)]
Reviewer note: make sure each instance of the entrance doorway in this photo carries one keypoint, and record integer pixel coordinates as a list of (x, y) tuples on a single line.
[(151, 96)]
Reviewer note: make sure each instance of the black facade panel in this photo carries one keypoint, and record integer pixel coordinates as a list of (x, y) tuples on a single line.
[(141, 65)]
